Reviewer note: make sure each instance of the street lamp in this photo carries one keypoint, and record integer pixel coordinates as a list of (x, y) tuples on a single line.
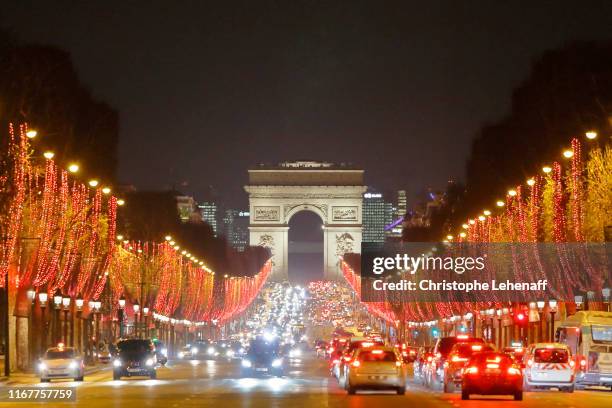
[(499, 312), (145, 311), (120, 315), (136, 310), (42, 300), (66, 304), (552, 304), (540, 304), (578, 299), (57, 304), (78, 302)]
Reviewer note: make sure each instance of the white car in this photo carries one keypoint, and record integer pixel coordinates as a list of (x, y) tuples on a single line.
[(61, 362), (549, 365)]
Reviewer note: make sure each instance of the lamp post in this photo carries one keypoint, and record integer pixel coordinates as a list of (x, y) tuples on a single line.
[(79, 310), (97, 307), (540, 304), (145, 312), (31, 294), (498, 312), (66, 306), (42, 300), (120, 315), (606, 297), (90, 317), (532, 308), (57, 303), (136, 310), (552, 304)]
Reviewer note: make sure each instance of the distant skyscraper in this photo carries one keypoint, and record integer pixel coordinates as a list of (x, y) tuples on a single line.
[(236, 228), (394, 228), (209, 215), (401, 203), (375, 214)]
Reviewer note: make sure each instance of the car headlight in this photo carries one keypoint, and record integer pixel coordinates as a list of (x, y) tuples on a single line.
[(194, 350), (181, 354), (165, 352), (230, 353), (149, 362), (277, 362), (117, 363), (73, 365), (295, 353), (211, 350), (246, 363), (42, 366), (241, 350)]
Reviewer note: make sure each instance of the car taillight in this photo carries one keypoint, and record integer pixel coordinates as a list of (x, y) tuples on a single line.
[(529, 362), (492, 365), (331, 350), (429, 358), (583, 363), (471, 370), (572, 363), (356, 363), (514, 371)]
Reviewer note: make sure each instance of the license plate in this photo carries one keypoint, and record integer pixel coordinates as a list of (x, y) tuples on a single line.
[(378, 377), (492, 371), (261, 369), (605, 378), (134, 370), (57, 371)]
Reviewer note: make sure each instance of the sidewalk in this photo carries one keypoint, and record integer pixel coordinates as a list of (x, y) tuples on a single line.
[(21, 377)]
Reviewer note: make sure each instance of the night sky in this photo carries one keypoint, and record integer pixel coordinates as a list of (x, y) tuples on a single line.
[(206, 90)]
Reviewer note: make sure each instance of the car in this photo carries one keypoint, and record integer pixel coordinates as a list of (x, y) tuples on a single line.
[(549, 365), (263, 357), (61, 362), (435, 369), (230, 349), (376, 368), (347, 355), (517, 352), (203, 350), (161, 352), (459, 355), (135, 357), (491, 373)]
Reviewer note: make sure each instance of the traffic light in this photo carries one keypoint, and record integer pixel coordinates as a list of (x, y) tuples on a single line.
[(521, 319)]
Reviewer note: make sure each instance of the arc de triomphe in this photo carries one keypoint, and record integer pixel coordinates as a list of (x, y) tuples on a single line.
[(333, 192)]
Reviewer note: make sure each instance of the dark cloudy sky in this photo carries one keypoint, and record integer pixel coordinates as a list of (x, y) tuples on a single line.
[(207, 89)]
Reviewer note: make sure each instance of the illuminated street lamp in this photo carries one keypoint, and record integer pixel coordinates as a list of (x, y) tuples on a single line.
[(605, 292), (578, 299), (73, 168), (31, 134), (552, 304), (48, 155), (591, 135), (42, 300), (145, 312), (120, 315)]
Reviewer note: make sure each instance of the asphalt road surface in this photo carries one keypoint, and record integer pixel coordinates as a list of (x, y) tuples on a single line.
[(185, 384)]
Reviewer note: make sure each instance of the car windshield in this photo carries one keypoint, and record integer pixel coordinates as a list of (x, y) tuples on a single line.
[(551, 355), (59, 354), (262, 347), (134, 346), (377, 356)]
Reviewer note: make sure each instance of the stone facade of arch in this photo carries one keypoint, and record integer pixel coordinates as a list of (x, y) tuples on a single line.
[(277, 194)]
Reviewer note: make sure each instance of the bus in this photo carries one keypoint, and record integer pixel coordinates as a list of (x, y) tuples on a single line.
[(588, 334)]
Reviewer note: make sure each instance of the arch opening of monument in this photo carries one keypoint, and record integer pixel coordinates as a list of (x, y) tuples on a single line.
[(333, 192), (305, 250)]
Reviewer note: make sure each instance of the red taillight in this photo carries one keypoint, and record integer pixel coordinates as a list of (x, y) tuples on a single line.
[(331, 350), (514, 371), (583, 363), (356, 363), (492, 365), (529, 362), (377, 351), (572, 363), (471, 370)]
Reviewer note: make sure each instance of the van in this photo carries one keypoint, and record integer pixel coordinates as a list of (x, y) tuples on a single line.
[(588, 334)]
